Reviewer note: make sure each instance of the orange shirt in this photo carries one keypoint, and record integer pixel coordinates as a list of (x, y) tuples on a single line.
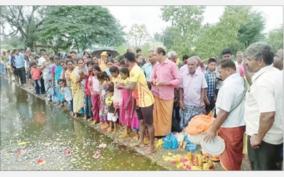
[(36, 73)]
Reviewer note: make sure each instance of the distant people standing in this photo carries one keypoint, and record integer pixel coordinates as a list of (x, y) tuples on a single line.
[(227, 54), (73, 55), (42, 59), (36, 76), (211, 79), (48, 77), (103, 61), (239, 63), (76, 77), (172, 55), (28, 60), (94, 85), (278, 60), (138, 51), (18, 63), (148, 67)]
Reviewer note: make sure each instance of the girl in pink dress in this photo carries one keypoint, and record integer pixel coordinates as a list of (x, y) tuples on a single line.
[(94, 85), (127, 114)]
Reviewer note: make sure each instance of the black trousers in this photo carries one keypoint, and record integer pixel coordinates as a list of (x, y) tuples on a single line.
[(176, 119), (42, 89), (37, 86), (266, 157), (212, 104), (21, 73)]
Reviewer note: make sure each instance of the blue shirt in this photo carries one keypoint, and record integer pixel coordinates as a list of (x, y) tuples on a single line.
[(147, 68), (18, 61), (211, 82), (58, 72)]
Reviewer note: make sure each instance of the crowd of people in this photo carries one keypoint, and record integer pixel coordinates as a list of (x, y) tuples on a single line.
[(158, 94)]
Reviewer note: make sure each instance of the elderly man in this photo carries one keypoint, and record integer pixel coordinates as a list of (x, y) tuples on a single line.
[(192, 92), (239, 63), (263, 109), (172, 55), (164, 80), (278, 59), (230, 116)]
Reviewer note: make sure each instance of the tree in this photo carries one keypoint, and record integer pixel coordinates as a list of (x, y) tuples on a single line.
[(234, 30), (185, 22), (23, 21), (251, 30), (275, 39), (80, 27), (137, 35)]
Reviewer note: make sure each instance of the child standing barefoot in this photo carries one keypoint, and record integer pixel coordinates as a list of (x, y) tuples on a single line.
[(94, 85), (111, 115), (66, 91), (104, 80), (88, 101), (36, 75)]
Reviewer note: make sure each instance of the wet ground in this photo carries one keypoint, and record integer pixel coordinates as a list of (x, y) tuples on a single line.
[(37, 136)]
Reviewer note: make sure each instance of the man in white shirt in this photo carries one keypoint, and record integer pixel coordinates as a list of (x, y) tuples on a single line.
[(263, 109), (42, 59), (230, 116)]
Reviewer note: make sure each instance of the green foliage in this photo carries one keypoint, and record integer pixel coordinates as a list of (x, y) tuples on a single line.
[(24, 21), (238, 27), (137, 35), (185, 21), (13, 43), (121, 49), (250, 31), (275, 39), (80, 27), (63, 26)]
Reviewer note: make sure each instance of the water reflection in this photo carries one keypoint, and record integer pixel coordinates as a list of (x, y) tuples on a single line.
[(45, 132)]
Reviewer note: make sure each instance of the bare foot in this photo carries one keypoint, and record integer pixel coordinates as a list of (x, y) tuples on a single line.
[(93, 122), (139, 144), (146, 141), (124, 134), (104, 126), (150, 150), (109, 129)]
